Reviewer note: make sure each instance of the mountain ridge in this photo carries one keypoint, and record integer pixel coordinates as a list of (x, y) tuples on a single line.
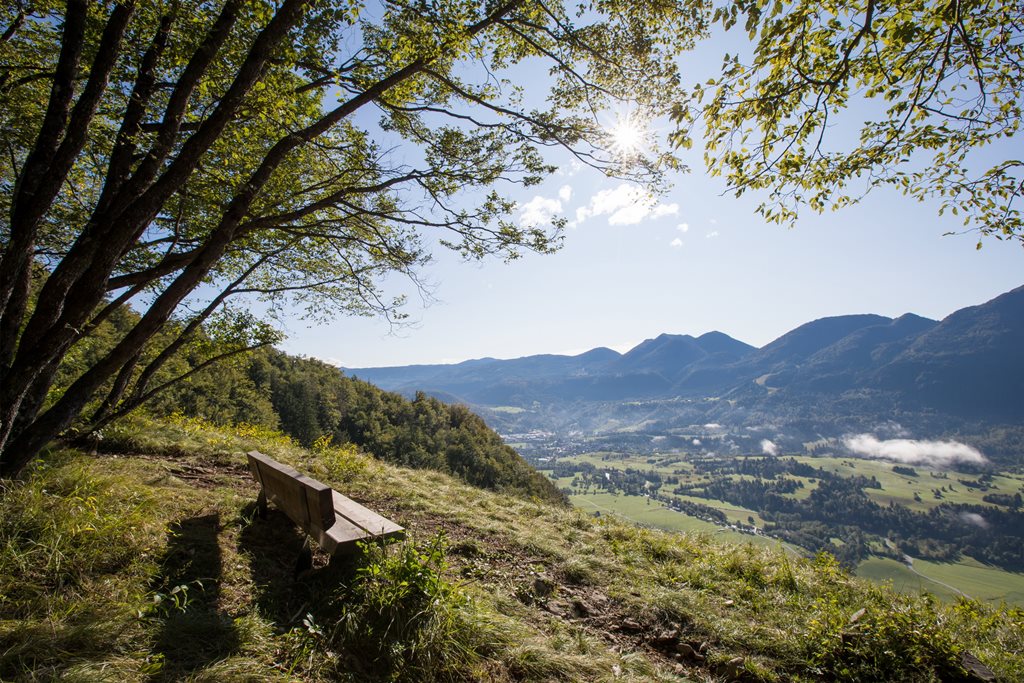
[(966, 365)]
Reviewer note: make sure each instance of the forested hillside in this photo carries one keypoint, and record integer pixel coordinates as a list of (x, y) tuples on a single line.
[(309, 401)]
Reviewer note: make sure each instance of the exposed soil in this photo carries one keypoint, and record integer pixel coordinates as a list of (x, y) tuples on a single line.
[(488, 559), (274, 544), (211, 474)]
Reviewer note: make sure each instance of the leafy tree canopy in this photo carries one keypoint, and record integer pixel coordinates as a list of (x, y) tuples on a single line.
[(174, 155), (935, 88)]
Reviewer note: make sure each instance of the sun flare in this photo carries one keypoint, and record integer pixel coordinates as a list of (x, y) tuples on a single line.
[(627, 135)]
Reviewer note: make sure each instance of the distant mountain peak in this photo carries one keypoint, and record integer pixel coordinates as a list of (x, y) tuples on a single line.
[(913, 317), (598, 354), (969, 363), (809, 338), (720, 342)]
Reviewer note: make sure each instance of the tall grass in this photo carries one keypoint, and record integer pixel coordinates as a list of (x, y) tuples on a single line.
[(76, 552), (118, 569)]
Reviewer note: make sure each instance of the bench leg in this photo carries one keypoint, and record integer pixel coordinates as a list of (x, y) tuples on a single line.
[(305, 559), (261, 504)]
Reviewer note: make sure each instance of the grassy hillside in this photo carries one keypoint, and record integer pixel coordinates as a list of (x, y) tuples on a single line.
[(148, 563)]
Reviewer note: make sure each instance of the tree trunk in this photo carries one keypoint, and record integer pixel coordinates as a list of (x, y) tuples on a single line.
[(78, 284)]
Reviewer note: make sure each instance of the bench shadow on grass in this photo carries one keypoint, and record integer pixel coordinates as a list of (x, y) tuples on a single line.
[(283, 595), (195, 632)]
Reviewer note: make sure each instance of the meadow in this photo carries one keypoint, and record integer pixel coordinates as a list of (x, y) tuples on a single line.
[(149, 563), (947, 580), (926, 489), (901, 489)]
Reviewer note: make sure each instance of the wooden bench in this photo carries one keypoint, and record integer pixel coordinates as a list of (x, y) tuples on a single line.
[(336, 523)]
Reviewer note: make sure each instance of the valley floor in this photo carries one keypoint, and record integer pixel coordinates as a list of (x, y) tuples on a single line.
[(948, 581)]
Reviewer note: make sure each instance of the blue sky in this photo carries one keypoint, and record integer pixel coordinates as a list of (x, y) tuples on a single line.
[(698, 261), (688, 262)]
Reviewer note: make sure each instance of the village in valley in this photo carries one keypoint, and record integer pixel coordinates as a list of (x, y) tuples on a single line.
[(951, 530)]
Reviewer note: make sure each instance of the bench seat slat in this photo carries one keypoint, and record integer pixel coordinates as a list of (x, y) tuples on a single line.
[(346, 508), (343, 535), (335, 521)]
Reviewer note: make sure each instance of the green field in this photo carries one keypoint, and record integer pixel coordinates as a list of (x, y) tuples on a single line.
[(897, 488), (640, 510), (664, 466), (947, 581), (637, 510), (901, 489), (734, 513)]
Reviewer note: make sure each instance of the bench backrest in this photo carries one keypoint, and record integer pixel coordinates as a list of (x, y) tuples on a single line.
[(306, 501)]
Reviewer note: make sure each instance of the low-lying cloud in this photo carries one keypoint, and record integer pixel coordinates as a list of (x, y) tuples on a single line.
[(768, 447), (937, 453), (975, 519)]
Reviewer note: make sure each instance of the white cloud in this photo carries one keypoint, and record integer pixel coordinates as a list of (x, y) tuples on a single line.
[(768, 447), (938, 453), (539, 210), (565, 193), (665, 210), (712, 425), (975, 519), (676, 243), (572, 169), (712, 235), (629, 215), (625, 205), (696, 442), (683, 227)]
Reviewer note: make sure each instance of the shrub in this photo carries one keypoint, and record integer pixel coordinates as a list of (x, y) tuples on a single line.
[(399, 619), (900, 639)]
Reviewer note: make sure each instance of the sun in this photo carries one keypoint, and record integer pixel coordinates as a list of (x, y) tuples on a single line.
[(627, 135)]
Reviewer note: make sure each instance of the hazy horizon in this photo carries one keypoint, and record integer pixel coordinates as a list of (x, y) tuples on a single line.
[(623, 346)]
